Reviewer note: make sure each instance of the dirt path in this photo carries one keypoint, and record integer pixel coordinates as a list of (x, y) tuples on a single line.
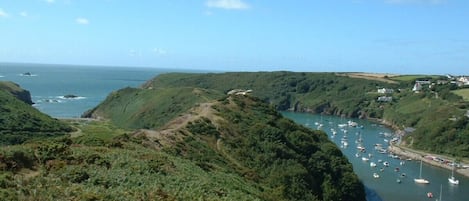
[(167, 134)]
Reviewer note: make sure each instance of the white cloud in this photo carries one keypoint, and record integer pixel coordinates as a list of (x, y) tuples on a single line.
[(415, 1), (24, 14), (228, 4), (82, 21), (3, 13)]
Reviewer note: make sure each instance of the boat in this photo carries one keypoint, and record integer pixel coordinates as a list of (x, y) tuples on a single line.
[(342, 125), (421, 180), (357, 155), (429, 194), (375, 175), (352, 124), (398, 181), (452, 179), (365, 159), (372, 164), (385, 163)]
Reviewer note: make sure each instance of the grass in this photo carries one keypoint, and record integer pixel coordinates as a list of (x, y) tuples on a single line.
[(409, 78), (464, 93)]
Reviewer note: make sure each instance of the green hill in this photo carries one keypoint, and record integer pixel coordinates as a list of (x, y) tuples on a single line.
[(437, 113), (146, 108), (19, 121), (233, 148)]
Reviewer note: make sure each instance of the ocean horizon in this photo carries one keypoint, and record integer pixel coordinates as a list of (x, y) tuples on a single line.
[(67, 91)]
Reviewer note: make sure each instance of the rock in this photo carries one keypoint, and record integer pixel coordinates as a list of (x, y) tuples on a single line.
[(17, 91), (71, 96)]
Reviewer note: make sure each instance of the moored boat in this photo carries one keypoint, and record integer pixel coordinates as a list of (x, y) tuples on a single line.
[(421, 180)]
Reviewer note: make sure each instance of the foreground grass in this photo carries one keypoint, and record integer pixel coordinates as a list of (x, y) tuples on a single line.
[(100, 165), (464, 93)]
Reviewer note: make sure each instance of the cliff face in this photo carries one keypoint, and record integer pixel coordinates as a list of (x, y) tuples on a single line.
[(17, 91)]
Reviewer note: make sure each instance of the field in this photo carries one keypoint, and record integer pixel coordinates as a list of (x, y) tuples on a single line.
[(372, 76), (462, 92), (406, 78)]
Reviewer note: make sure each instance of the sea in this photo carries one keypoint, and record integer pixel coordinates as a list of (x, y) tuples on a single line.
[(50, 85)]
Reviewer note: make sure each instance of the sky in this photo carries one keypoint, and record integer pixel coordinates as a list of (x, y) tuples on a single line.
[(379, 36)]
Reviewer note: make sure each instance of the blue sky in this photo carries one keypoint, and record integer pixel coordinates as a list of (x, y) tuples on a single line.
[(392, 36)]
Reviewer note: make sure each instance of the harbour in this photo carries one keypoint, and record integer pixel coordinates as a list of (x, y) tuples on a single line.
[(391, 178)]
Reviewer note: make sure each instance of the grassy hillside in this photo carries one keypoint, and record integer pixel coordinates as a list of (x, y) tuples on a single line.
[(146, 108), (19, 121), (431, 111), (314, 92), (16, 91), (234, 148), (464, 93)]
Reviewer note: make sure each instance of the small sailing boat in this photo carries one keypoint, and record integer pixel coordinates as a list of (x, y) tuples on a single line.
[(452, 179), (375, 175), (421, 180)]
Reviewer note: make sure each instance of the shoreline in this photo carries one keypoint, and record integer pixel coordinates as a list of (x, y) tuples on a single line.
[(420, 155)]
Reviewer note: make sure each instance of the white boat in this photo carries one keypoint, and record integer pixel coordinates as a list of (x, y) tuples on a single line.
[(342, 125), (352, 124), (365, 159), (385, 163), (375, 175), (357, 155), (421, 180), (452, 179), (372, 164)]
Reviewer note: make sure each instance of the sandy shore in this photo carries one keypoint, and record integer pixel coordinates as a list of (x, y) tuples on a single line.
[(419, 155)]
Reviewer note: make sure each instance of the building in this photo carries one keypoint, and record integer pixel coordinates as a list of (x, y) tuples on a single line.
[(385, 91), (385, 99), (417, 87)]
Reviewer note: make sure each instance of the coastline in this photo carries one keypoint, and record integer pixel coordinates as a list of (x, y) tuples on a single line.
[(420, 155)]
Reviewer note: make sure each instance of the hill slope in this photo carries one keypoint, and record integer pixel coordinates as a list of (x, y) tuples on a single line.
[(19, 121), (438, 115), (234, 148)]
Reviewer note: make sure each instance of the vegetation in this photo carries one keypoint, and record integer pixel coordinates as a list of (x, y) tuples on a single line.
[(347, 94), (464, 93), (236, 148), (138, 108), (20, 122)]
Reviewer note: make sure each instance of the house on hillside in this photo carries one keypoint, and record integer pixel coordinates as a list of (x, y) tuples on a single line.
[(385, 91), (417, 87), (239, 92), (384, 99), (464, 80), (423, 82)]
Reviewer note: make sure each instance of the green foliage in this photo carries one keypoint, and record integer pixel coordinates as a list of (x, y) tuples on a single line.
[(464, 93), (149, 108), (81, 172), (20, 122), (328, 93)]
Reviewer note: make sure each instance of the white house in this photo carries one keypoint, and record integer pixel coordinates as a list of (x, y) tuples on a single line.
[(417, 87), (385, 91), (384, 99), (464, 80)]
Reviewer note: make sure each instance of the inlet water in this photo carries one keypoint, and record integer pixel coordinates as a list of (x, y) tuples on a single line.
[(386, 186)]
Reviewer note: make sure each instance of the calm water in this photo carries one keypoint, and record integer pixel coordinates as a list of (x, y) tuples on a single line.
[(49, 84), (386, 185)]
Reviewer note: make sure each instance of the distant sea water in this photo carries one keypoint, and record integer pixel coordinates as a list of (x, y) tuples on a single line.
[(49, 84)]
